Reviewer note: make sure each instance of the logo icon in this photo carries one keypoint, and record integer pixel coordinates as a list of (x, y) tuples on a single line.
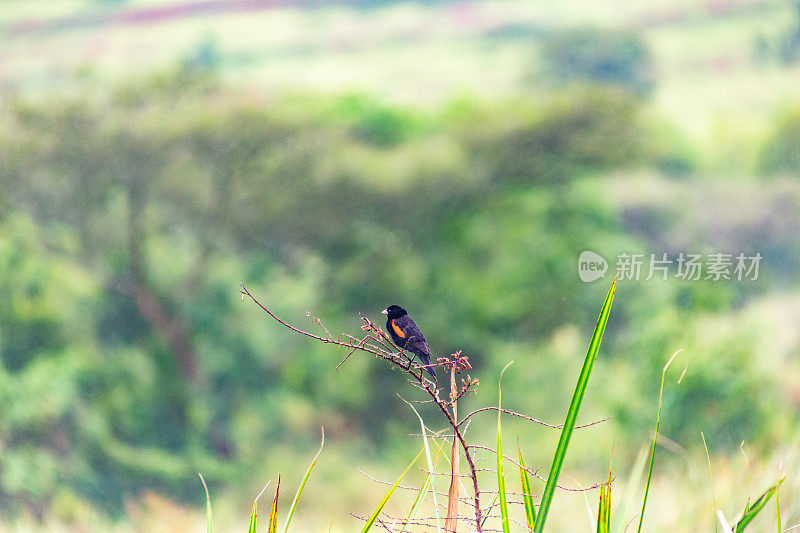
[(591, 266)]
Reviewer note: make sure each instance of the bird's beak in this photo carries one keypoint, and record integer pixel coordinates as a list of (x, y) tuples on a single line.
[(385, 312)]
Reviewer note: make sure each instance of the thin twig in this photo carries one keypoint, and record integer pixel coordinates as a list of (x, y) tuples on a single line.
[(529, 418), (308, 313), (532, 472), (346, 357)]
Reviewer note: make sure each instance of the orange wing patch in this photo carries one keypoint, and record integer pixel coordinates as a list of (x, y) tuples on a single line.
[(398, 331)]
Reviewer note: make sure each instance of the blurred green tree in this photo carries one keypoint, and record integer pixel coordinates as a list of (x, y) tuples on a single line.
[(128, 221), (781, 151), (599, 57)]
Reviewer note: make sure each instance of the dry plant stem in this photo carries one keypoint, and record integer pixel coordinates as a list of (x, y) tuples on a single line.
[(387, 350), (529, 418), (452, 495)]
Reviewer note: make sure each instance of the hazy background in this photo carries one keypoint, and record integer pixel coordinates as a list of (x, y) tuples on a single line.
[(337, 157)]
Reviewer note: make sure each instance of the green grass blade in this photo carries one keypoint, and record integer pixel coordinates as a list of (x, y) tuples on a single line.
[(252, 528), (572, 413), (711, 478), (412, 514), (778, 510), (303, 484), (752, 510), (749, 474), (600, 508), (430, 464), (604, 509), (273, 510), (486, 515), (501, 481), (527, 494), (382, 503), (655, 439), (209, 527), (631, 492)]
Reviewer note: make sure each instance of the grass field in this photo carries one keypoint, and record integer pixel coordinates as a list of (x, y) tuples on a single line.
[(707, 77)]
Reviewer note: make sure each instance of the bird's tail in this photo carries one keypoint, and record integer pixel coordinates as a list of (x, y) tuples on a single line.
[(426, 360)]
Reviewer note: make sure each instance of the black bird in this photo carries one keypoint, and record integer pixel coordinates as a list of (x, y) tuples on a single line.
[(407, 335)]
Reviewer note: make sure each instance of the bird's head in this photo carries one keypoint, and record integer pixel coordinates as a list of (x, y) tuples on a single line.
[(394, 311)]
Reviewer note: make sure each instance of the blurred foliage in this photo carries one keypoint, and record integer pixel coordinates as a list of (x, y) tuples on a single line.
[(599, 57), (130, 363), (789, 42), (781, 151)]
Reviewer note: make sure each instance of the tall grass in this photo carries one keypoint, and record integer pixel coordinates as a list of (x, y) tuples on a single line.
[(535, 519), (501, 480), (209, 526), (527, 494), (374, 516), (572, 412), (254, 513), (604, 509), (272, 526), (655, 437), (302, 485), (751, 510), (430, 479)]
